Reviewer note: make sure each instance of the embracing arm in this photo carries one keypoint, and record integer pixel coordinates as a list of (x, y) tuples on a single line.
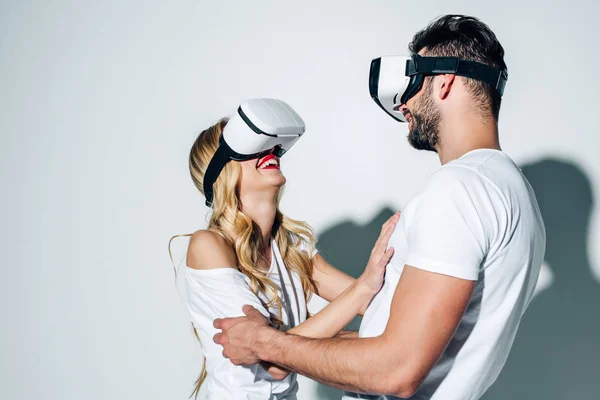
[(395, 362), (328, 322), (337, 314), (208, 251), (347, 335), (447, 242)]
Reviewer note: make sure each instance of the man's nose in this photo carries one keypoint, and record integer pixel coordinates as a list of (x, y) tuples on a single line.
[(402, 108)]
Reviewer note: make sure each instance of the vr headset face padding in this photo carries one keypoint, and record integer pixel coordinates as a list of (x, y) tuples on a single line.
[(260, 127)]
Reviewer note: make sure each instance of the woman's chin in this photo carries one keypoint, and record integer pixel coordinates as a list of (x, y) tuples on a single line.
[(280, 181), (273, 176)]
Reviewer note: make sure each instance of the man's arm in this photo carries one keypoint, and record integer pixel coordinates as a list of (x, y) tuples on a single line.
[(329, 321), (447, 242), (347, 335), (426, 309), (280, 373)]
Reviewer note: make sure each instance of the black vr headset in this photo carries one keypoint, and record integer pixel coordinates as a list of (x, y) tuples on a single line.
[(393, 80)]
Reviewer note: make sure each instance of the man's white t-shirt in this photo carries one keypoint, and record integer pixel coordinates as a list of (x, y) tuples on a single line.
[(475, 218)]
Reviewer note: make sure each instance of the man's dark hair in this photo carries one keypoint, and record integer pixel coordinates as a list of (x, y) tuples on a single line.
[(470, 39)]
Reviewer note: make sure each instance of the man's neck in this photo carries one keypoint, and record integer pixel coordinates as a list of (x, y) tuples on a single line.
[(462, 134)]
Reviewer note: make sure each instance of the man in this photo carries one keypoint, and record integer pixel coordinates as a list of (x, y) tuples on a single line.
[(468, 250)]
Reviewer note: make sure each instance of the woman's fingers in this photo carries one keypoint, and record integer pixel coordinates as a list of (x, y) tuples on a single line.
[(387, 256), (393, 219), (376, 250), (383, 240), (379, 249)]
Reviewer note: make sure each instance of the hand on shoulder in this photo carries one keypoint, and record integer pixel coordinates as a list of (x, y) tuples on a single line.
[(208, 250)]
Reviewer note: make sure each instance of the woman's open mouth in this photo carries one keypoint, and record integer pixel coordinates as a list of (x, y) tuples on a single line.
[(268, 162)]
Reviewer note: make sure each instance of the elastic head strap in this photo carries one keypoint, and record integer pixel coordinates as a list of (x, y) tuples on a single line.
[(215, 166), (453, 65)]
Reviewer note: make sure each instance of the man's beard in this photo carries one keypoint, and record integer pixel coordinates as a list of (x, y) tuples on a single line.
[(425, 125)]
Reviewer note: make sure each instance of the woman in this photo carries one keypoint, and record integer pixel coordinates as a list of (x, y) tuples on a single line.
[(252, 254)]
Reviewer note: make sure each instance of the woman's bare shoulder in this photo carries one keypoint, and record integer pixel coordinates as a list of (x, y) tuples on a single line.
[(209, 250)]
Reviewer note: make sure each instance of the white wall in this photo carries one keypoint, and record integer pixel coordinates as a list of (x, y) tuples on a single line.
[(101, 100)]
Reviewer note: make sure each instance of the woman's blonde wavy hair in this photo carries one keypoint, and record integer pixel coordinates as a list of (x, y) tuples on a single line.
[(243, 235)]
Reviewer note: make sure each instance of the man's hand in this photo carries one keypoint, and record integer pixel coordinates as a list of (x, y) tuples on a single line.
[(239, 335)]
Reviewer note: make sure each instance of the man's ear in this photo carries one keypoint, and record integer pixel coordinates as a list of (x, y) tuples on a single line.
[(446, 85)]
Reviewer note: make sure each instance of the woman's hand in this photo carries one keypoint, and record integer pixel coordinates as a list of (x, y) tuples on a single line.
[(372, 278), (352, 300)]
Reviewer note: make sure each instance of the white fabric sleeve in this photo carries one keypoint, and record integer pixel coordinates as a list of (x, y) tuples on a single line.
[(444, 231), (222, 293), (303, 246)]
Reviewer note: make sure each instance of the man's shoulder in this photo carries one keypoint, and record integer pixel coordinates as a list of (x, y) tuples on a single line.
[(467, 186), (450, 177), (481, 169)]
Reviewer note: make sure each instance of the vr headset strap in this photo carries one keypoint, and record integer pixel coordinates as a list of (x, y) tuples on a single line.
[(453, 65), (216, 165)]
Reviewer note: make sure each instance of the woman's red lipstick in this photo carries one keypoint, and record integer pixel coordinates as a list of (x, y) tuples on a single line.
[(269, 158)]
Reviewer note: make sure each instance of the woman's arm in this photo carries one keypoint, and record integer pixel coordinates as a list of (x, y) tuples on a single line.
[(338, 313), (356, 296), (331, 282), (333, 318)]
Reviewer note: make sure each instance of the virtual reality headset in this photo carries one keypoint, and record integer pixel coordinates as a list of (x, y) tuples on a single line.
[(393, 80), (260, 127)]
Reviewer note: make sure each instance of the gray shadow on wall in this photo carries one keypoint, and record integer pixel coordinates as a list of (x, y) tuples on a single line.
[(556, 353)]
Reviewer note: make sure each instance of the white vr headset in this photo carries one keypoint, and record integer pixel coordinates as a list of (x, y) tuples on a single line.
[(393, 80), (260, 127)]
